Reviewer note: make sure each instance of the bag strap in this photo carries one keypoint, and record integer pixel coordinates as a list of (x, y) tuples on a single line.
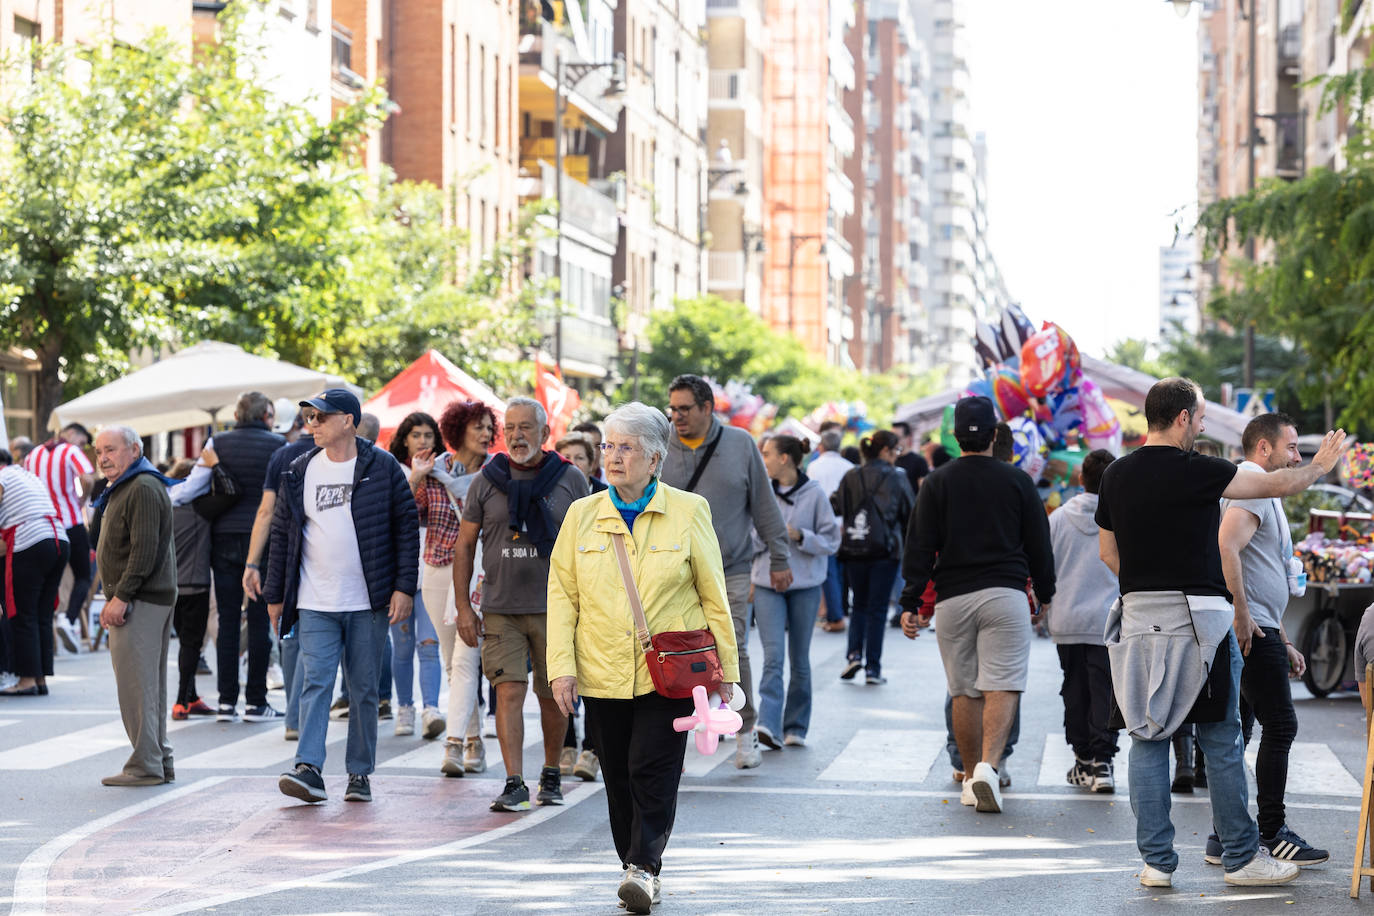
[(632, 592), (705, 460)]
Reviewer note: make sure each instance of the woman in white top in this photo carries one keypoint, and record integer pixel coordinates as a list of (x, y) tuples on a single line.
[(35, 550)]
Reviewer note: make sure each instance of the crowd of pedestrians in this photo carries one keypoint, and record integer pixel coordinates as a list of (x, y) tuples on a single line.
[(548, 566)]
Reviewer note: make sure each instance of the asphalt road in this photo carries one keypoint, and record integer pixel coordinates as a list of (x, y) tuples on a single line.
[(863, 820)]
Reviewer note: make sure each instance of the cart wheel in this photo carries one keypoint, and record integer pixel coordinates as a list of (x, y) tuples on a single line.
[(1324, 644)]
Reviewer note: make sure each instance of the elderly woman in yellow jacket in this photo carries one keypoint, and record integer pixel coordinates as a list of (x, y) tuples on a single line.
[(592, 649)]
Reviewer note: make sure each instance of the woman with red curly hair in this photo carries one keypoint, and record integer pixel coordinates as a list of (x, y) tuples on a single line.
[(469, 428)]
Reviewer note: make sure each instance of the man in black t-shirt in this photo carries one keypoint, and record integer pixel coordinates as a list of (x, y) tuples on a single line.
[(1159, 513)]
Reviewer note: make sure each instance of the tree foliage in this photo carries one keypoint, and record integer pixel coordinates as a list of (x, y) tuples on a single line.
[(714, 337)]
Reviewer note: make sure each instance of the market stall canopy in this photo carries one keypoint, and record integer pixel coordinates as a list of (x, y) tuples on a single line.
[(1120, 382), (194, 387), (429, 384)]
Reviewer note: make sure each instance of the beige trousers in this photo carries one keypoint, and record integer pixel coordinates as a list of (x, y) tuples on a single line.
[(138, 651), (460, 659)]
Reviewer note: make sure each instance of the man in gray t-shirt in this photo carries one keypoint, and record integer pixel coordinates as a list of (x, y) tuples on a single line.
[(1256, 545), (1364, 650), (516, 543)]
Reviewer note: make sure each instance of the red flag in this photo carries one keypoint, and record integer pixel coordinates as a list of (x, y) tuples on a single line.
[(560, 401)]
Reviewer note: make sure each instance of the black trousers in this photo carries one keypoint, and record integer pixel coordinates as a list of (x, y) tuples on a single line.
[(80, 562), (228, 554), (1087, 694), (570, 738), (641, 763), (1266, 696), (190, 618), (37, 575)]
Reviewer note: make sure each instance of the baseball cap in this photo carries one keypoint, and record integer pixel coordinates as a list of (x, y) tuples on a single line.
[(972, 415), (336, 400)]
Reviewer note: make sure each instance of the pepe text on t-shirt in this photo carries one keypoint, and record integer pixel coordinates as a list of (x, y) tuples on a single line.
[(331, 565)]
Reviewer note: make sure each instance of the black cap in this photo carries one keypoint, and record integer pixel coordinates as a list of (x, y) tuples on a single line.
[(974, 415), (337, 400)]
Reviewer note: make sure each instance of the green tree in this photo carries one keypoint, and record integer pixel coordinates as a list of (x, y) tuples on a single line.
[(1134, 353), (146, 198)]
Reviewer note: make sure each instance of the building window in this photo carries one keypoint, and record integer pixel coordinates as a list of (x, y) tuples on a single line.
[(496, 138), (467, 85), (341, 50), (27, 35), (453, 71), (482, 95)]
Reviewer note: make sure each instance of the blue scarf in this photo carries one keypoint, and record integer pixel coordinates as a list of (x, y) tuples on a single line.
[(630, 511), (529, 514), (141, 466)]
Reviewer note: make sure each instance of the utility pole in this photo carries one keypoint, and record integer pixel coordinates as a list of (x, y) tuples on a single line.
[(558, 104), (1249, 364)]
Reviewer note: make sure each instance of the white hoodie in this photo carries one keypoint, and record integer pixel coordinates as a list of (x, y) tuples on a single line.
[(1085, 587)]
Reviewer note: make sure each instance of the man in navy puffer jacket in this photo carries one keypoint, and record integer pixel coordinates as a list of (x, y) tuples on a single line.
[(343, 566)]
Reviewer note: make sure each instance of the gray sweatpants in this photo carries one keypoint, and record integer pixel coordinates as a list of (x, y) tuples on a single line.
[(138, 651), (737, 593)]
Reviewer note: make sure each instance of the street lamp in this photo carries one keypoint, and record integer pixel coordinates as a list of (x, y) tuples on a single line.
[(616, 86)]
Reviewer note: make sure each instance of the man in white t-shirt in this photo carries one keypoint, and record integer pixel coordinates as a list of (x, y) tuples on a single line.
[(346, 568), (827, 469)]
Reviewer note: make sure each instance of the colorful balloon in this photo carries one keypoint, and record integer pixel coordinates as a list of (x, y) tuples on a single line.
[(947, 433), (1007, 392), (987, 345), (1048, 358), (1027, 446), (978, 388), (1357, 466), (1016, 327)]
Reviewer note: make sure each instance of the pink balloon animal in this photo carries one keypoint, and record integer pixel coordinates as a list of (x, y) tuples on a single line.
[(708, 723)]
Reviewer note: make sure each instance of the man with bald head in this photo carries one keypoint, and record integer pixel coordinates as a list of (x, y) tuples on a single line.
[(133, 529)]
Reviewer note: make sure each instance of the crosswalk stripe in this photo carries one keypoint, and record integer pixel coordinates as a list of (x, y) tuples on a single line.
[(427, 756), (4, 722), (869, 755), (1057, 759), (699, 765), (73, 746), (1313, 769), (263, 749)]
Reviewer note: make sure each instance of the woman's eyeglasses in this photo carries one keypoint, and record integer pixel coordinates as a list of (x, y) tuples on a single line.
[(624, 448)]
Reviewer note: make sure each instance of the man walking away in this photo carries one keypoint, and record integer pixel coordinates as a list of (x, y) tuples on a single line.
[(1256, 547), (1086, 589), (984, 520), (828, 468), (516, 506), (244, 453), (1173, 654), (343, 567), (139, 572), (723, 464), (62, 465)]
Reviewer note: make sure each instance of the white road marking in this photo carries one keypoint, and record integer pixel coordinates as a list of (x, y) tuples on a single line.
[(1312, 770), (267, 746), (62, 749), (31, 879), (1057, 758), (697, 764), (869, 755)]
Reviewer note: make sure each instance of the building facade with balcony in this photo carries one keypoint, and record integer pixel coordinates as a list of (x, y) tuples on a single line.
[(734, 145)]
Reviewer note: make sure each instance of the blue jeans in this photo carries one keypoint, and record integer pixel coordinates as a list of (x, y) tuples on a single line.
[(291, 674), (789, 616), (358, 638), (956, 760), (383, 674), (834, 590), (1225, 752), (872, 584), (412, 635)]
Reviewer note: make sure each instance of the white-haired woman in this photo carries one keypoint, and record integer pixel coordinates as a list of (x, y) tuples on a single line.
[(677, 569)]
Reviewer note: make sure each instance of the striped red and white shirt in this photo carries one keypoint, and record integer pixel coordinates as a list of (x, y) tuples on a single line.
[(58, 466)]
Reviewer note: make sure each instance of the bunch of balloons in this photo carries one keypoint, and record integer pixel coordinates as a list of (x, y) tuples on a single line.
[(852, 414), (1357, 466), (737, 405), (1035, 379)]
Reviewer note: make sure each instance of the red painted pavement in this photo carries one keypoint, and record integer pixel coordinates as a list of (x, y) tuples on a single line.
[(242, 834)]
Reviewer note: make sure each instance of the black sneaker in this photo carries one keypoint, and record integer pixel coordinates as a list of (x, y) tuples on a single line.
[(263, 713), (359, 788), (550, 787), (1287, 846), (384, 709), (202, 666), (1184, 779), (304, 782), (851, 668), (226, 714), (515, 798), (1212, 854), (1080, 774)]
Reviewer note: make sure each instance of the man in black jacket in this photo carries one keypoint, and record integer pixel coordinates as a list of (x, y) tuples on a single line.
[(344, 566), (987, 524), (243, 453)]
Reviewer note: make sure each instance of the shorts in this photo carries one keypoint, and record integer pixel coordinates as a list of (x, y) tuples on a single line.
[(511, 645), (984, 640)]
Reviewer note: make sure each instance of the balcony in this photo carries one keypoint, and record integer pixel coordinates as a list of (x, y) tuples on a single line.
[(587, 211), (1290, 49), (841, 130), (540, 50), (840, 190), (725, 270), (842, 65)]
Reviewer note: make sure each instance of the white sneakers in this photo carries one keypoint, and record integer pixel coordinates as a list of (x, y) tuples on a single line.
[(638, 890), (405, 720), (1153, 877), (747, 753), (966, 796), (1263, 870), (432, 722), (986, 792)]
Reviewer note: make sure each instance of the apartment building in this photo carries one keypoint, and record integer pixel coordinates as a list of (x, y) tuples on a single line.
[(989, 289), (1178, 311), (734, 147)]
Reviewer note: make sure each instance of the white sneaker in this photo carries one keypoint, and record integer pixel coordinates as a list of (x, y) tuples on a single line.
[(405, 720), (985, 788), (474, 756), (637, 890), (747, 753), (1262, 870), (432, 723), (966, 796), (489, 725), (1003, 776), (68, 635), (1153, 877), (276, 680)]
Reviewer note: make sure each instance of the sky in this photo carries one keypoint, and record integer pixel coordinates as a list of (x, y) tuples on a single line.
[(1090, 110)]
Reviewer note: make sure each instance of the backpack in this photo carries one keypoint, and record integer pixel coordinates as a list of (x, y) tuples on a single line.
[(868, 535)]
